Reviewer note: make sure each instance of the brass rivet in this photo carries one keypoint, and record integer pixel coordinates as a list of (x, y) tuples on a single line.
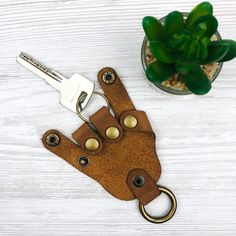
[(130, 121), (92, 144), (108, 77), (112, 132), (53, 139)]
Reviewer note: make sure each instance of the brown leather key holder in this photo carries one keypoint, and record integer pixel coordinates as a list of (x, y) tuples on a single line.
[(118, 152)]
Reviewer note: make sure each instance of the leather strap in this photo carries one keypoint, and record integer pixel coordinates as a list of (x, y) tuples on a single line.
[(102, 121), (85, 132), (143, 124), (147, 191), (115, 92), (66, 149)]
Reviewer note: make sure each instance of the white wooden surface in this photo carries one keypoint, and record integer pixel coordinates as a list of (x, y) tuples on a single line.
[(42, 195)]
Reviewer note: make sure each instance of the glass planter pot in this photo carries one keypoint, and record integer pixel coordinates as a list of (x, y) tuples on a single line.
[(175, 85)]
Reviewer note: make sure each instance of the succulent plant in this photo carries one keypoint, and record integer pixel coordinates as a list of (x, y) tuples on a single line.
[(182, 45)]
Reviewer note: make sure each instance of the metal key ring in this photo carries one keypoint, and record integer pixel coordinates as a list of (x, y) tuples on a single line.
[(78, 105), (168, 216)]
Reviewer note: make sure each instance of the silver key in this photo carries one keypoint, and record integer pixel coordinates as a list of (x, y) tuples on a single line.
[(71, 89)]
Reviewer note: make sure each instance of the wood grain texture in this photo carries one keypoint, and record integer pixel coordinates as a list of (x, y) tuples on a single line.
[(196, 136)]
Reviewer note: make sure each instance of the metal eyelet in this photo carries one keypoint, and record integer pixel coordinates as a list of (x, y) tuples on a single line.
[(83, 161), (138, 181), (52, 139), (108, 77)]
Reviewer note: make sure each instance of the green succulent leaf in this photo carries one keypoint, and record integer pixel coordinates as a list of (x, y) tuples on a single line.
[(217, 50), (162, 53), (157, 72), (197, 81), (185, 45), (211, 24), (203, 45), (184, 67), (202, 9), (199, 31), (190, 51), (231, 54), (198, 52), (174, 24), (153, 29), (178, 42)]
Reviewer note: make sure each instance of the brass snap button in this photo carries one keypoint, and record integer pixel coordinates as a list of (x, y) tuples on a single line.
[(130, 121), (91, 144), (112, 132)]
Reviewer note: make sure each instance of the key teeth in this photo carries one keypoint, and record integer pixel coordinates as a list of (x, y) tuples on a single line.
[(70, 88)]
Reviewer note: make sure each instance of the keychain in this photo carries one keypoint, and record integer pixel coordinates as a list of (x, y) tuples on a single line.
[(117, 151)]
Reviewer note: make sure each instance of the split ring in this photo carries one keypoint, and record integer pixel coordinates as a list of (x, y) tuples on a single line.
[(168, 216), (78, 105)]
